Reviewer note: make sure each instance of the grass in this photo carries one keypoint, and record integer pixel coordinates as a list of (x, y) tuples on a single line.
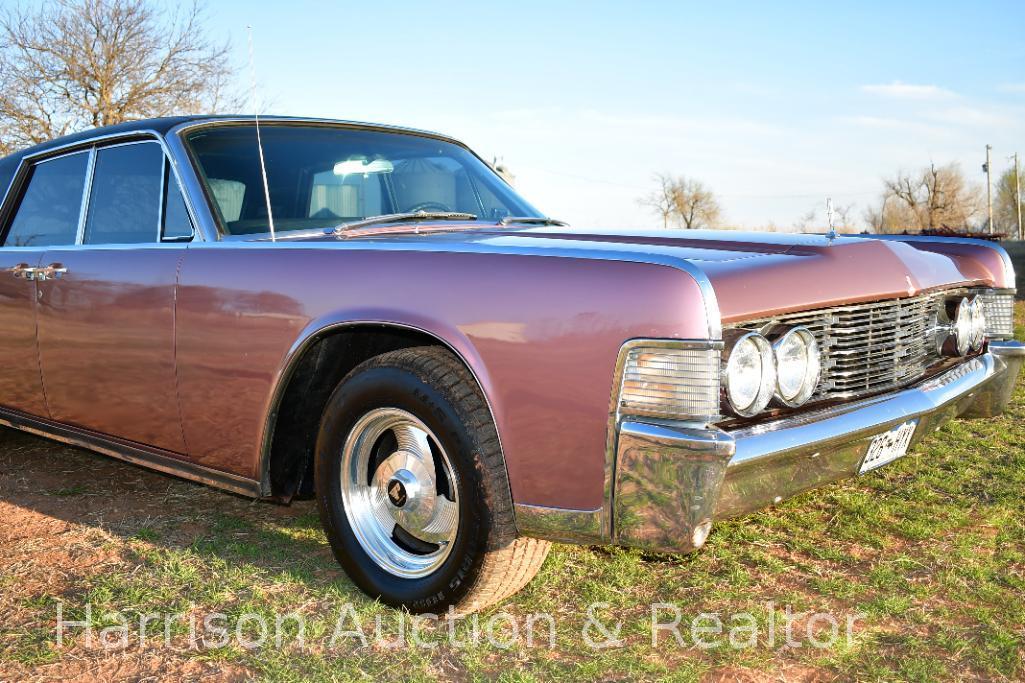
[(927, 556)]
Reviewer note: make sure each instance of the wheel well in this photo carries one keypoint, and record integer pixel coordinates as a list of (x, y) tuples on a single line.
[(315, 374)]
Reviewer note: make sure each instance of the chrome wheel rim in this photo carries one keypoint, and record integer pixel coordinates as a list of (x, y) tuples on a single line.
[(400, 492)]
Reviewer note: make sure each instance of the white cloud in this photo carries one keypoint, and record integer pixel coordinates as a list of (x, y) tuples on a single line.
[(971, 116), (875, 121), (895, 124), (908, 91)]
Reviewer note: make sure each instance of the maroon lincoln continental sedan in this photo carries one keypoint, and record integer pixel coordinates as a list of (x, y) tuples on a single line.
[(373, 317)]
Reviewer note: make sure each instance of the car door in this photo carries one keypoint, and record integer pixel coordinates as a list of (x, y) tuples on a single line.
[(46, 212), (106, 305)]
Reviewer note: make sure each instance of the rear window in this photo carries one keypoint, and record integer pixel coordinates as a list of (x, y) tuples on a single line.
[(50, 206)]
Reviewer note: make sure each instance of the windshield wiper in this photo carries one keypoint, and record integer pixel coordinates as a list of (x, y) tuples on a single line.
[(401, 217), (535, 220)]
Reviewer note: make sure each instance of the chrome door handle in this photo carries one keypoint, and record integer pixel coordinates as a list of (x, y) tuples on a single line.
[(24, 271), (54, 271)]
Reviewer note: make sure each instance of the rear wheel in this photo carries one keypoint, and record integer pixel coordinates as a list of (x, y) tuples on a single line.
[(412, 487)]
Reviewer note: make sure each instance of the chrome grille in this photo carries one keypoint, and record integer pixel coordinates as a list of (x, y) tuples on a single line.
[(871, 347)]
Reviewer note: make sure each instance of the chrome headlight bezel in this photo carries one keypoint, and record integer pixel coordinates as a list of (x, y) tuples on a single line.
[(809, 375), (752, 344), (978, 318), (967, 331)]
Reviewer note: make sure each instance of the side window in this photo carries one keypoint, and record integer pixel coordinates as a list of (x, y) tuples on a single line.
[(49, 209), (177, 225), (124, 203)]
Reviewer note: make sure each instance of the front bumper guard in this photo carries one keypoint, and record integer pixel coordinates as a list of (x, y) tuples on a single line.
[(671, 483)]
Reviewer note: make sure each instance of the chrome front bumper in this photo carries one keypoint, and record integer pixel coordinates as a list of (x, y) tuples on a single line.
[(671, 483)]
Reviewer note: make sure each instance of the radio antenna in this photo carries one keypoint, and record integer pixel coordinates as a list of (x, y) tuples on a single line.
[(259, 140)]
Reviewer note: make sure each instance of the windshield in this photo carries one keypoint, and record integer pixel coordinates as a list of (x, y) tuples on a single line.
[(321, 176)]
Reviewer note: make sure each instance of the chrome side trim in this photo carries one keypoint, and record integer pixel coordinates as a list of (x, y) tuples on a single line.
[(137, 454), (559, 524)]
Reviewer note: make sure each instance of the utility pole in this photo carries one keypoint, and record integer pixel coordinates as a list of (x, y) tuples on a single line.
[(989, 188), (1017, 194)]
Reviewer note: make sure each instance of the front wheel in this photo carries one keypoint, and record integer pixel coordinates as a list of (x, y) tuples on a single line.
[(412, 487)]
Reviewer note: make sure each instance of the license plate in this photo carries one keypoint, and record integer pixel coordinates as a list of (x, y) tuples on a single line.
[(888, 446)]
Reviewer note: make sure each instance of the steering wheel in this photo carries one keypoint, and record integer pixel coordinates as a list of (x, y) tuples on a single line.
[(429, 207)]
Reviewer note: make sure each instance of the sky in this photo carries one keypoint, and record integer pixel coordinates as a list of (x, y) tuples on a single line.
[(774, 106)]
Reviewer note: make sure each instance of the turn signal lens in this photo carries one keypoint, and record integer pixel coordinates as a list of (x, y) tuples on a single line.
[(673, 383)]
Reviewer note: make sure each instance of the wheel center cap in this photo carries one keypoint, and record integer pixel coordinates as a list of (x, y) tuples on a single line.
[(397, 493)]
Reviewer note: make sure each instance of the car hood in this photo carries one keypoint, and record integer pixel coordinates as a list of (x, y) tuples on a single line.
[(752, 274)]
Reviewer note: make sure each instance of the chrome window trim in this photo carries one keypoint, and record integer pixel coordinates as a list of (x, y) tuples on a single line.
[(178, 132), (20, 175), (87, 193), (88, 145), (94, 152), (161, 200)]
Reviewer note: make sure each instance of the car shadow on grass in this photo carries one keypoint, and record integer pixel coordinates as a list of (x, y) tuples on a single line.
[(145, 514)]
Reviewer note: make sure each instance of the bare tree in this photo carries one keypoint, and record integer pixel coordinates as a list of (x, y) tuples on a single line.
[(74, 64), (662, 199), (686, 201), (890, 216), (1005, 214), (843, 218), (933, 198), (806, 222), (696, 205)]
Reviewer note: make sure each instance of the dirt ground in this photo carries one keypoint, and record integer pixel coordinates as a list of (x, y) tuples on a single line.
[(66, 516)]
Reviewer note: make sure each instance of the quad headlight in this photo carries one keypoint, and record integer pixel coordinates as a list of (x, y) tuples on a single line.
[(798, 366), (758, 370), (968, 327), (750, 374), (978, 338)]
